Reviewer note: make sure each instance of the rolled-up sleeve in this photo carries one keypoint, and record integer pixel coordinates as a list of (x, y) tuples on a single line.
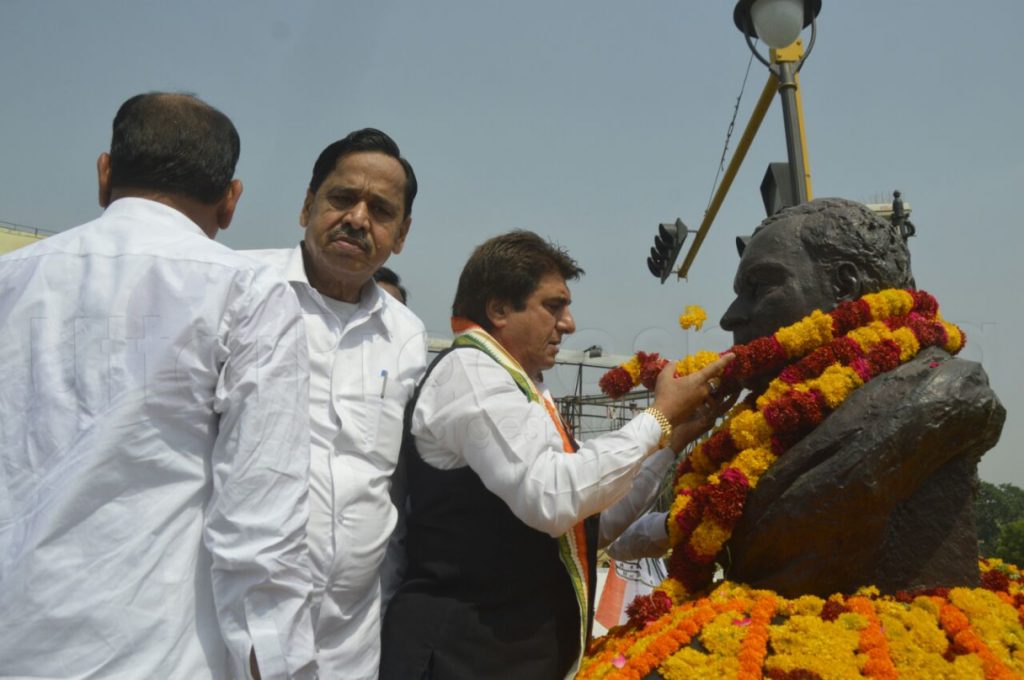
[(255, 527), (470, 411)]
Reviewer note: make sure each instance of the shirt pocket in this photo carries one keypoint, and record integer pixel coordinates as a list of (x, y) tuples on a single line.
[(359, 378)]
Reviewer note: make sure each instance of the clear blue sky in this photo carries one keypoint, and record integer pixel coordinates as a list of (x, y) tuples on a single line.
[(589, 122)]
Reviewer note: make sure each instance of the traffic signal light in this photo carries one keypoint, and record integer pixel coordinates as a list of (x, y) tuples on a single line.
[(667, 245)]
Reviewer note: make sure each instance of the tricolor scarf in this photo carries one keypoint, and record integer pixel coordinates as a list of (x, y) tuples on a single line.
[(572, 546)]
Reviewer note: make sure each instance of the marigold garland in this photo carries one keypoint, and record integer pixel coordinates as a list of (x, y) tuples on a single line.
[(818, 362), (740, 632), (828, 367)]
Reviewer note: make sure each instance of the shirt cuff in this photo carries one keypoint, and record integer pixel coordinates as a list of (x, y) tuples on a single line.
[(647, 429)]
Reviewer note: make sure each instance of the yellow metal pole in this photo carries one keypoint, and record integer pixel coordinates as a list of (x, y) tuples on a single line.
[(756, 116), (786, 61), (803, 137)]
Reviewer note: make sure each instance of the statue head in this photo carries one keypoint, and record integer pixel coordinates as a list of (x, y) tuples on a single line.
[(813, 256)]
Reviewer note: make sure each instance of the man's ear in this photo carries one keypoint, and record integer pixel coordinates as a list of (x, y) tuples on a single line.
[(103, 178), (307, 205), (847, 283), (403, 231), (497, 312), (227, 205)]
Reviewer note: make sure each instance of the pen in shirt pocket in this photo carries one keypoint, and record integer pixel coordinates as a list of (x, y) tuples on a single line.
[(384, 381)]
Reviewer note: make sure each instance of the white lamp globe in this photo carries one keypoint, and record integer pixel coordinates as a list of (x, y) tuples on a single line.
[(777, 22)]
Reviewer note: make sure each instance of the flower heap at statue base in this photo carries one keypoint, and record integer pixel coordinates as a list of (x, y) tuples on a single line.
[(850, 476), (740, 632)]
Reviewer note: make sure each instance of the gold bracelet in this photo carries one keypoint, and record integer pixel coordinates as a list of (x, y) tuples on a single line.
[(666, 427)]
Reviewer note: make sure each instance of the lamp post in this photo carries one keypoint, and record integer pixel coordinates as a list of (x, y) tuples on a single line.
[(778, 24)]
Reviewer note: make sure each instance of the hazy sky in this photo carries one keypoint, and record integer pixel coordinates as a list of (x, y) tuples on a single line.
[(588, 122)]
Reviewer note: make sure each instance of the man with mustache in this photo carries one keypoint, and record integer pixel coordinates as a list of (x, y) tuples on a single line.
[(505, 510), (367, 350)]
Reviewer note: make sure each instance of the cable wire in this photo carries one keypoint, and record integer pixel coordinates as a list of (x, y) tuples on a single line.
[(728, 134)]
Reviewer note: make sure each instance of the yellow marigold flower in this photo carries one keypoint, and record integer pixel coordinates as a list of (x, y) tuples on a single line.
[(887, 303), (749, 429), (869, 591), (709, 537), (836, 383), (870, 335), (911, 631), (805, 605), (954, 339), (928, 605), (633, 368), (909, 346), (675, 590), (693, 317), (691, 480), (994, 620), (722, 637), (806, 335), (695, 362), (678, 505), (852, 621), (822, 647), (776, 389), (690, 663), (700, 461), (753, 463)]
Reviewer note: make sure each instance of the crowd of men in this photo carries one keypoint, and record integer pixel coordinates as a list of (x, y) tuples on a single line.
[(205, 452), (220, 464)]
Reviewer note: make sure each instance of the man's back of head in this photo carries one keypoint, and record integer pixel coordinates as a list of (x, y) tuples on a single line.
[(176, 149), (173, 143), (154, 387)]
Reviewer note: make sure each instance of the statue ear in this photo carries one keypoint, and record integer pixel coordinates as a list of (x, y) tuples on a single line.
[(846, 282)]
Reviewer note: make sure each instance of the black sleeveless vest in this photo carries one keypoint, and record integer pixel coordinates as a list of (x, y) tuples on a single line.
[(484, 595)]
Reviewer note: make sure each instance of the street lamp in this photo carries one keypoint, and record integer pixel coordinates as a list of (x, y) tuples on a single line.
[(778, 23)]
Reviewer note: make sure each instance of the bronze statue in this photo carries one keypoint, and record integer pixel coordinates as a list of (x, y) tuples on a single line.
[(882, 491)]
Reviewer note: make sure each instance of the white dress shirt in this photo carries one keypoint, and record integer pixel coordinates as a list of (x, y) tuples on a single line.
[(646, 537), (470, 412), (152, 505), (365, 359)]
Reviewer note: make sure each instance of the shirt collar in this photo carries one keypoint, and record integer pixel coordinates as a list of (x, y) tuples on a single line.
[(372, 300), (135, 206)]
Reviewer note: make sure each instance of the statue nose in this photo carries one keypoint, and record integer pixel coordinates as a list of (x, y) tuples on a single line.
[(734, 317)]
